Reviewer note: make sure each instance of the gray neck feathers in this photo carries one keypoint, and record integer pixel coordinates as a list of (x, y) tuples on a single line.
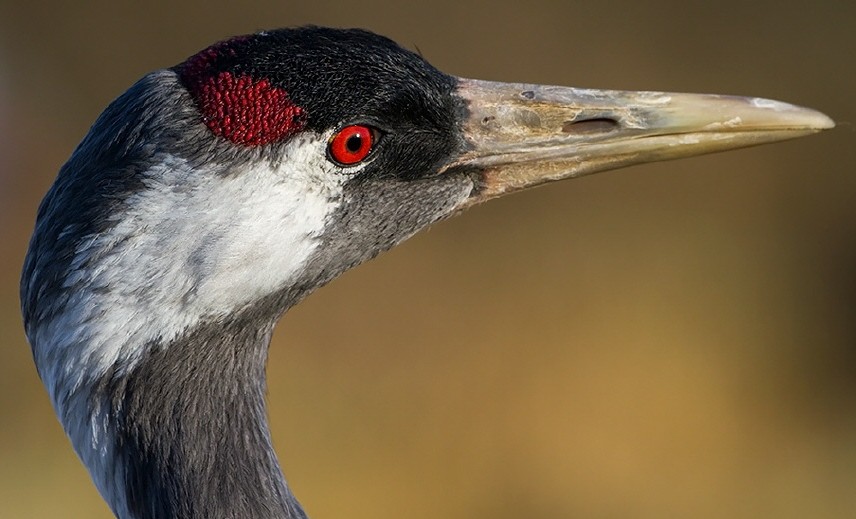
[(191, 428)]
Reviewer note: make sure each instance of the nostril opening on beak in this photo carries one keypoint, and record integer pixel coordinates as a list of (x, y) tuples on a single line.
[(589, 126)]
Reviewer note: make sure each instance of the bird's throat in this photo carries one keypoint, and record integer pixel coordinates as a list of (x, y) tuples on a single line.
[(191, 433)]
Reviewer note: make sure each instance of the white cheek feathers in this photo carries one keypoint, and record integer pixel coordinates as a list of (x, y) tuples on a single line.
[(192, 245)]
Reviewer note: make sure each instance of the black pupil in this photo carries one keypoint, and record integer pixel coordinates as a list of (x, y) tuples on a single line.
[(354, 142)]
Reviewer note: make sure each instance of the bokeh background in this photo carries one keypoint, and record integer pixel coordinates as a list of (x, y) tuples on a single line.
[(670, 340)]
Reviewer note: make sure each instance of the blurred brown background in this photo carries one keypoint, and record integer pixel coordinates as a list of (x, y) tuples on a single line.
[(671, 340)]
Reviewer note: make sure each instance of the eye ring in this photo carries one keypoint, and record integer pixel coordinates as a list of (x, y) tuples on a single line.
[(352, 144)]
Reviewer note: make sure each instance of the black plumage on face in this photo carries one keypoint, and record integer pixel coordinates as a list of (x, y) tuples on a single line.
[(268, 87)]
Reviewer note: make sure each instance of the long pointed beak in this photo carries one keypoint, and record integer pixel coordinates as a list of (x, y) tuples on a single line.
[(521, 135)]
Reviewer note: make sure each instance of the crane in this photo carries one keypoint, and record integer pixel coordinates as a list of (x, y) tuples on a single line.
[(213, 196)]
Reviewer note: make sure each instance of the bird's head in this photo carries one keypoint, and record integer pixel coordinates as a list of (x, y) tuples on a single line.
[(265, 165), (230, 186)]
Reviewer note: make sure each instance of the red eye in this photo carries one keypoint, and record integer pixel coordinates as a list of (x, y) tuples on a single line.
[(352, 144)]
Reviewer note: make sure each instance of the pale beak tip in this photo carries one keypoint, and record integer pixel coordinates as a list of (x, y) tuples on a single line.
[(822, 121), (798, 116)]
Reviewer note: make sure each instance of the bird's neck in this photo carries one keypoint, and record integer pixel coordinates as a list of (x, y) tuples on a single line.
[(191, 430)]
